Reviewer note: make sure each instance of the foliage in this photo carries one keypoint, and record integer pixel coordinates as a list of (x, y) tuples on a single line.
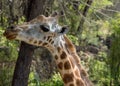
[(54, 81), (33, 79), (101, 4), (8, 55), (8, 48), (99, 69), (114, 57), (104, 70), (5, 76)]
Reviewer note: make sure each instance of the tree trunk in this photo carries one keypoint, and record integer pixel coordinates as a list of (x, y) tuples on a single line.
[(22, 69), (85, 11), (23, 63)]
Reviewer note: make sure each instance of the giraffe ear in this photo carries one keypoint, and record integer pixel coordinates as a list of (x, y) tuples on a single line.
[(64, 30)]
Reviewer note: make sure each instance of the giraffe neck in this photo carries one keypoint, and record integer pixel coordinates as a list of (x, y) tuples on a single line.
[(66, 58), (68, 64)]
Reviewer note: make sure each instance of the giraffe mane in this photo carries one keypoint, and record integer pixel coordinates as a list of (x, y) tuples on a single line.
[(77, 60), (69, 44)]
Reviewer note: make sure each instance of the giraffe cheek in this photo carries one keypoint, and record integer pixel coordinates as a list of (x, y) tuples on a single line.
[(39, 42), (35, 42)]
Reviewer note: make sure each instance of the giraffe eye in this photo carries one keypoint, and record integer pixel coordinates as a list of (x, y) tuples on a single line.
[(44, 28)]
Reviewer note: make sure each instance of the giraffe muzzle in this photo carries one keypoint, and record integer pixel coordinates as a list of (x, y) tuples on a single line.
[(10, 33)]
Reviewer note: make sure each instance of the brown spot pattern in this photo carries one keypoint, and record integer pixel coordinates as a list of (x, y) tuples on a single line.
[(79, 82), (56, 57), (83, 72), (67, 65), (39, 42), (60, 65), (63, 55), (35, 41), (45, 44), (59, 49), (48, 38), (71, 85), (44, 37), (68, 78), (52, 42), (31, 39)]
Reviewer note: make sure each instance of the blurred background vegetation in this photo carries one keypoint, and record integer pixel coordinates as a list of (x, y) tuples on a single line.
[(94, 29)]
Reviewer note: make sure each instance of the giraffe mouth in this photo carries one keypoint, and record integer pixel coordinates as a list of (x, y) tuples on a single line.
[(10, 35)]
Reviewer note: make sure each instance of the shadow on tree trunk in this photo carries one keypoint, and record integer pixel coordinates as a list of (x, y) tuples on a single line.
[(32, 9)]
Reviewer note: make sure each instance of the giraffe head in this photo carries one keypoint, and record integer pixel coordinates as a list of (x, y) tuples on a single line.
[(39, 30)]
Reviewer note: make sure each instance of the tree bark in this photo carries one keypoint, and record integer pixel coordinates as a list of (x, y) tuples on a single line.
[(22, 68), (23, 63), (85, 11)]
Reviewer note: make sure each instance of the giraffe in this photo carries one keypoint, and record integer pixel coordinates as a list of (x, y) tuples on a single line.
[(45, 31)]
